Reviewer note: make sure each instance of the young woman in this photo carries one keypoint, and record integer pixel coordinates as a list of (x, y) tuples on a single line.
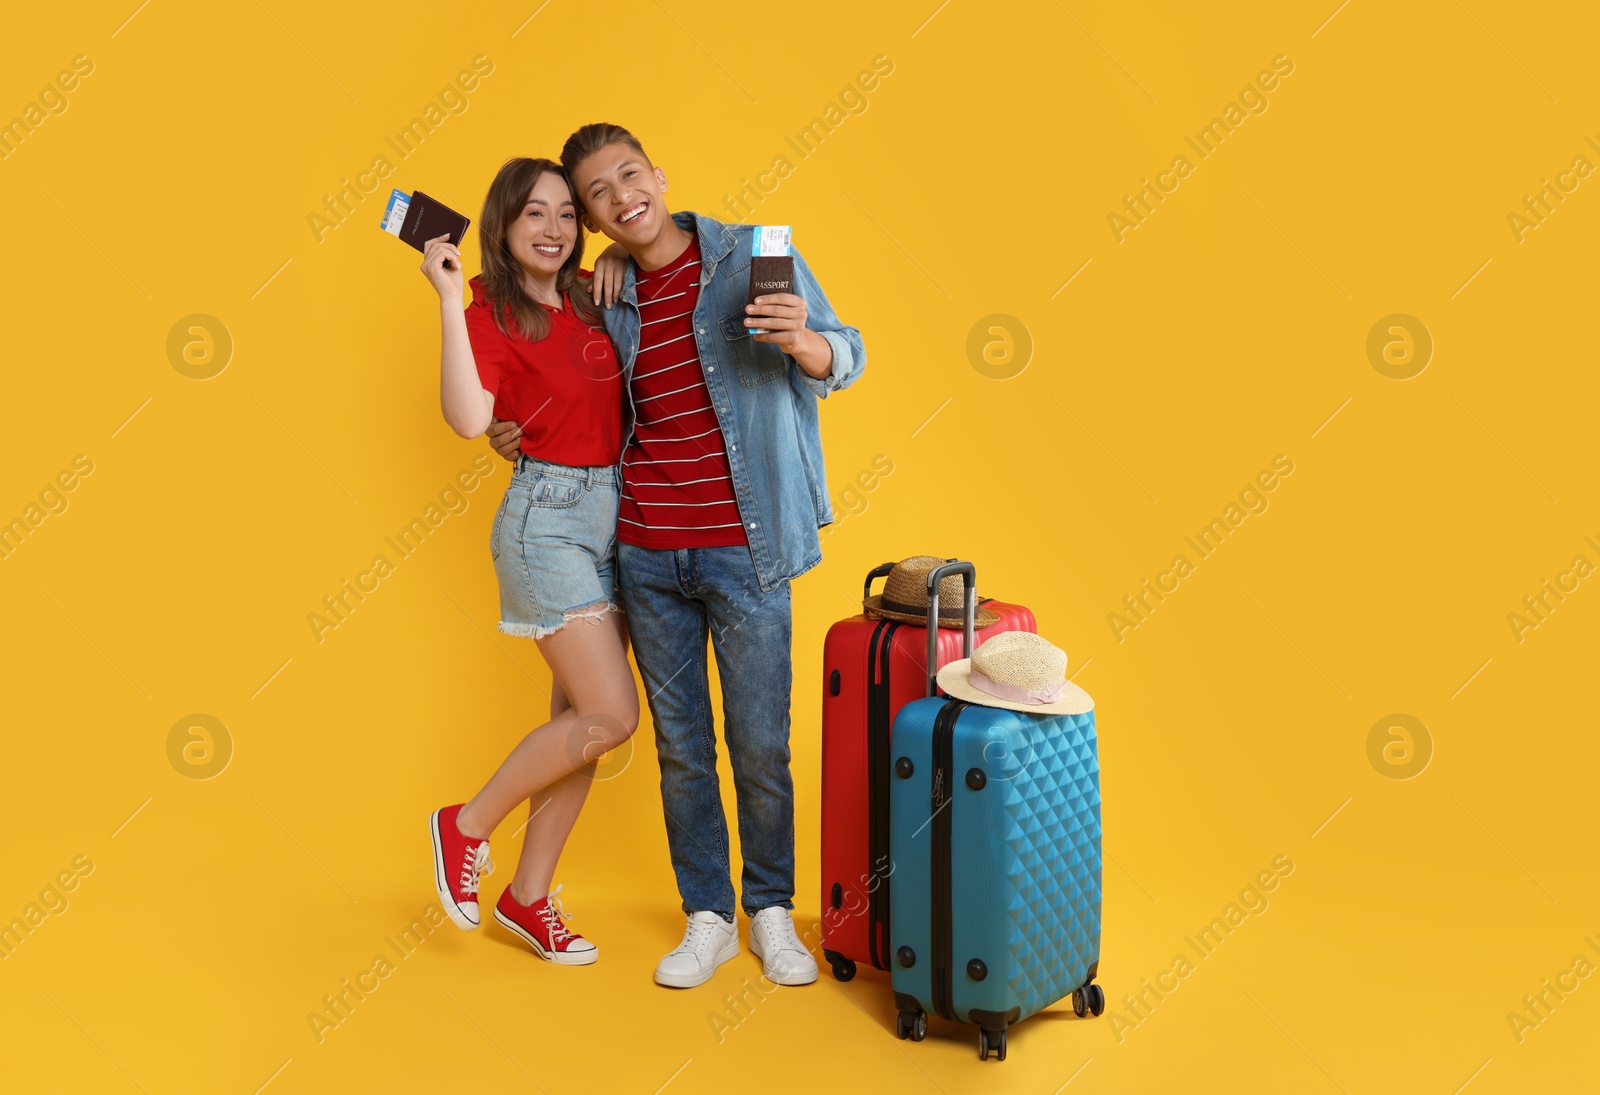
[(530, 348)]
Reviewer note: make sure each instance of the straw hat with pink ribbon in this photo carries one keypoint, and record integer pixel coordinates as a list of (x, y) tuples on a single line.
[(1017, 671)]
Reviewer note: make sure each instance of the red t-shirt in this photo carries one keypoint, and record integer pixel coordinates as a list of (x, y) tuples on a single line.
[(565, 390), (677, 491)]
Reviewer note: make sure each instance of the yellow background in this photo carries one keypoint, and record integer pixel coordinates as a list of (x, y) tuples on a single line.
[(1167, 370)]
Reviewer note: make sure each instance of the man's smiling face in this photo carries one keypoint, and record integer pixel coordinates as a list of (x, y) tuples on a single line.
[(621, 195)]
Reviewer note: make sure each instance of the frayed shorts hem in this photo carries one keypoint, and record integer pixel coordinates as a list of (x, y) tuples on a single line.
[(594, 613)]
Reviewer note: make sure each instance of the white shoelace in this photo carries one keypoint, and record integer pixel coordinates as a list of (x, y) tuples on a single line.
[(556, 901), (552, 924), (550, 914), (476, 864), (780, 936), (697, 938)]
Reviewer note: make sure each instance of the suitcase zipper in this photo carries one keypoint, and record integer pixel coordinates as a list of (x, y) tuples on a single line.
[(878, 652), (940, 913)]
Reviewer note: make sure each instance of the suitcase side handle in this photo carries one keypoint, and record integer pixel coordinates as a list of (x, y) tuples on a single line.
[(873, 575), (969, 577)]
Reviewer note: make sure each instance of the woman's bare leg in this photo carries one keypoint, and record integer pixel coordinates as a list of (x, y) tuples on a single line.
[(554, 810), (591, 662)]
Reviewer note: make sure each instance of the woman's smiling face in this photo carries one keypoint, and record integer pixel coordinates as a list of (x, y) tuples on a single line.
[(546, 231)]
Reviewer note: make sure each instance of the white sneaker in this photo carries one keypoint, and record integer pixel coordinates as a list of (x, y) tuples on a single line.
[(784, 960), (708, 941)]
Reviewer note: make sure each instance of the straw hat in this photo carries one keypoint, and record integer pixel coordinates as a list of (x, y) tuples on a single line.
[(905, 595), (1019, 671)]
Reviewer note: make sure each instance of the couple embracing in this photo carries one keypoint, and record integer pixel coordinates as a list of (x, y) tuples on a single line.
[(667, 486)]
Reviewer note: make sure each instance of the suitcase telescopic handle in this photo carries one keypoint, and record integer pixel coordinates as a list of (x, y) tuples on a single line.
[(873, 575), (969, 614)]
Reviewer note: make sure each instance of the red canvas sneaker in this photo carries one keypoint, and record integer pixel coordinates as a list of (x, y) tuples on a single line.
[(458, 862), (541, 926)]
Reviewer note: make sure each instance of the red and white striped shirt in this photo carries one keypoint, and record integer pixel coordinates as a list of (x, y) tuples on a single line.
[(677, 491)]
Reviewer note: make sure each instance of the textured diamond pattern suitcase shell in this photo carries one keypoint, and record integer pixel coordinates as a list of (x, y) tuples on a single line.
[(1021, 800)]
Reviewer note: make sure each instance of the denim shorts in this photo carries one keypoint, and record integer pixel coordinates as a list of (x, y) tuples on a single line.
[(554, 544)]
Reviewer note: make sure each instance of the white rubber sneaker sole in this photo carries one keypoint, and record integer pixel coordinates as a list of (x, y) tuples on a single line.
[(560, 958), (690, 980), (447, 900), (798, 977)]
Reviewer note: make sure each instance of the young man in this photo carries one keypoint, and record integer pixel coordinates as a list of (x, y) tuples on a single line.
[(723, 492)]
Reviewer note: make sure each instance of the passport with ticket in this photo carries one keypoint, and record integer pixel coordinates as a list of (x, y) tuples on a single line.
[(771, 263), (417, 218)]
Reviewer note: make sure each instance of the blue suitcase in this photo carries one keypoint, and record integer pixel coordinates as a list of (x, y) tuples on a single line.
[(994, 823)]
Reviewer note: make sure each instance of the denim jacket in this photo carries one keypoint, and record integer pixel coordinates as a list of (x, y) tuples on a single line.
[(766, 404)]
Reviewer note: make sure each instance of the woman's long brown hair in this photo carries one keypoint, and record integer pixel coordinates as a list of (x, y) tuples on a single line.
[(502, 273)]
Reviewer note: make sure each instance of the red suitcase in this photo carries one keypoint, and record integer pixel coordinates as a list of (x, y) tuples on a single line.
[(870, 669)]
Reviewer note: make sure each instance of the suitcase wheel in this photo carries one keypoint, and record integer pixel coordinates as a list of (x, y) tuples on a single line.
[(994, 1042), (1097, 999), (843, 968), (912, 1024), (1080, 1003)]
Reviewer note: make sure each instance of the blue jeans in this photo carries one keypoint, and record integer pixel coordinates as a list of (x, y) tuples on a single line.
[(674, 599)]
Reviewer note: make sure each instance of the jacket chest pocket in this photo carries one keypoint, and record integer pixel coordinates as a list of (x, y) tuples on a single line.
[(755, 363)]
